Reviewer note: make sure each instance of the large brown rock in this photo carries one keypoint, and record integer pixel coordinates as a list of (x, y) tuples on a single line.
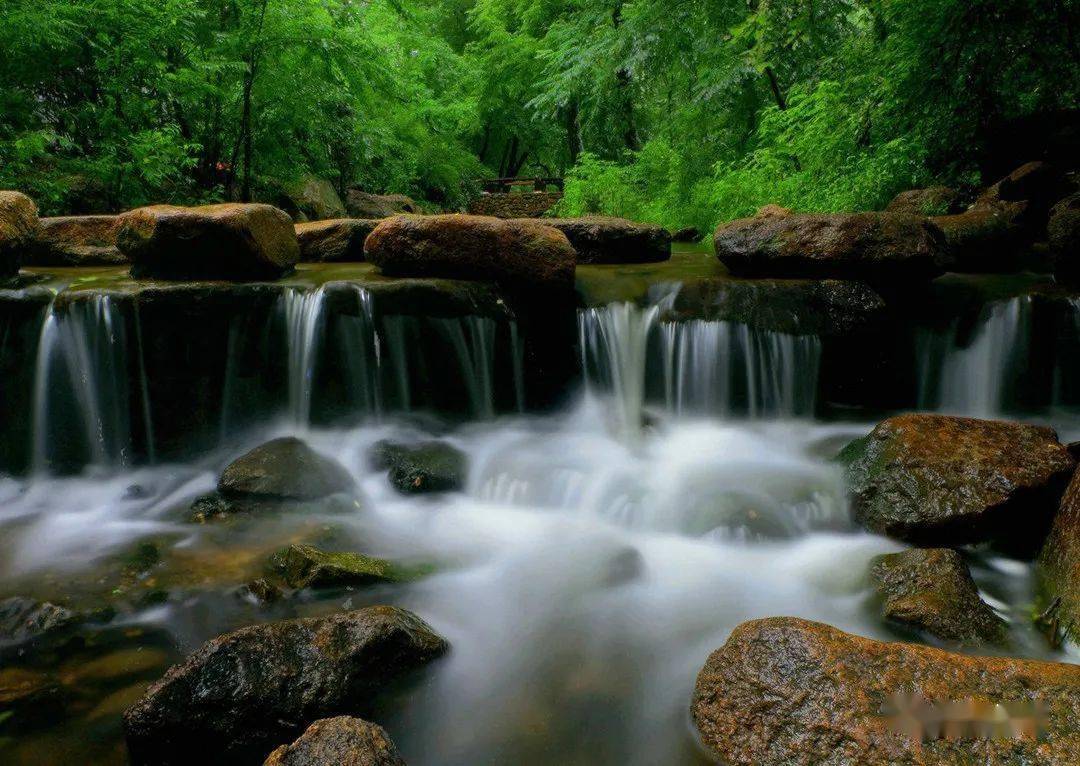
[(340, 741), (240, 694), (988, 237), (19, 228), (933, 200), (875, 247), (931, 590), (1063, 231), (519, 253), (943, 480), (227, 241), (284, 469), (602, 239), (335, 241), (1059, 569), (361, 204), (1040, 184), (78, 240), (789, 692)]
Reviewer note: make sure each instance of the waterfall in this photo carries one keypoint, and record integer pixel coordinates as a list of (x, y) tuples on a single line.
[(82, 376), (696, 366), (974, 377), (303, 327)]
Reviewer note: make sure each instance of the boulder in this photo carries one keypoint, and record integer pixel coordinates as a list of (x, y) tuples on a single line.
[(614, 240), (1058, 569), (1040, 184), (933, 200), (521, 253), (23, 620), (340, 741), (284, 469), (360, 204), (988, 237), (228, 241), (305, 566), (1063, 231), (335, 241), (931, 590), (875, 247), (942, 480), (19, 229), (240, 694), (308, 199), (518, 205), (790, 692), (686, 234), (432, 466), (78, 240)]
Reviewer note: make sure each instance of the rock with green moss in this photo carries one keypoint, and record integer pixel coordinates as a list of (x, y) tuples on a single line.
[(305, 566), (1059, 570), (943, 480), (931, 590), (432, 466)]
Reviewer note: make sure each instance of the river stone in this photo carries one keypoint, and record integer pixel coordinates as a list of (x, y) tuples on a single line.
[(789, 692), (686, 234), (431, 466), (284, 469), (519, 252), (19, 228), (931, 589), (310, 198), (360, 204), (24, 619), (1059, 568), (601, 239), (242, 693), (933, 200), (876, 247), (334, 241), (943, 480), (305, 566), (228, 241), (988, 237), (78, 240), (340, 741), (1063, 231)]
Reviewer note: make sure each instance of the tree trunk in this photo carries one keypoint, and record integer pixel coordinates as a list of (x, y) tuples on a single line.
[(573, 131)]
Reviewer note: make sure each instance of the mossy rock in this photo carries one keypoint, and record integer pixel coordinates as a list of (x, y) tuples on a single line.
[(305, 566), (431, 466)]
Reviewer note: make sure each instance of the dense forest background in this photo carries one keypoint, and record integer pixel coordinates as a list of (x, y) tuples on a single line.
[(682, 112)]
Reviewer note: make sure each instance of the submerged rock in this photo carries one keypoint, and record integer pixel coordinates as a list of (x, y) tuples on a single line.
[(876, 247), (522, 253), (786, 691), (943, 480), (78, 240), (334, 241), (931, 589), (360, 204), (23, 620), (1059, 569), (19, 228), (228, 241), (242, 693), (602, 239), (340, 741), (432, 466), (305, 566), (1064, 233), (284, 469), (933, 200)]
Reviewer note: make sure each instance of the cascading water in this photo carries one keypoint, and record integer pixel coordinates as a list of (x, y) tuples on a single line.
[(974, 377), (304, 329)]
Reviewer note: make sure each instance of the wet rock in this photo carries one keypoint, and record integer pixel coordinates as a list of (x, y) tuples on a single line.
[(1040, 184), (334, 241), (305, 566), (933, 200), (686, 234), (520, 252), (242, 693), (432, 466), (789, 691), (1059, 570), (626, 566), (78, 240), (989, 237), (27, 692), (284, 469), (23, 620), (614, 240), (228, 241), (881, 247), (360, 204), (1063, 231), (309, 199), (931, 589), (943, 480), (19, 228), (260, 591), (340, 741)]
